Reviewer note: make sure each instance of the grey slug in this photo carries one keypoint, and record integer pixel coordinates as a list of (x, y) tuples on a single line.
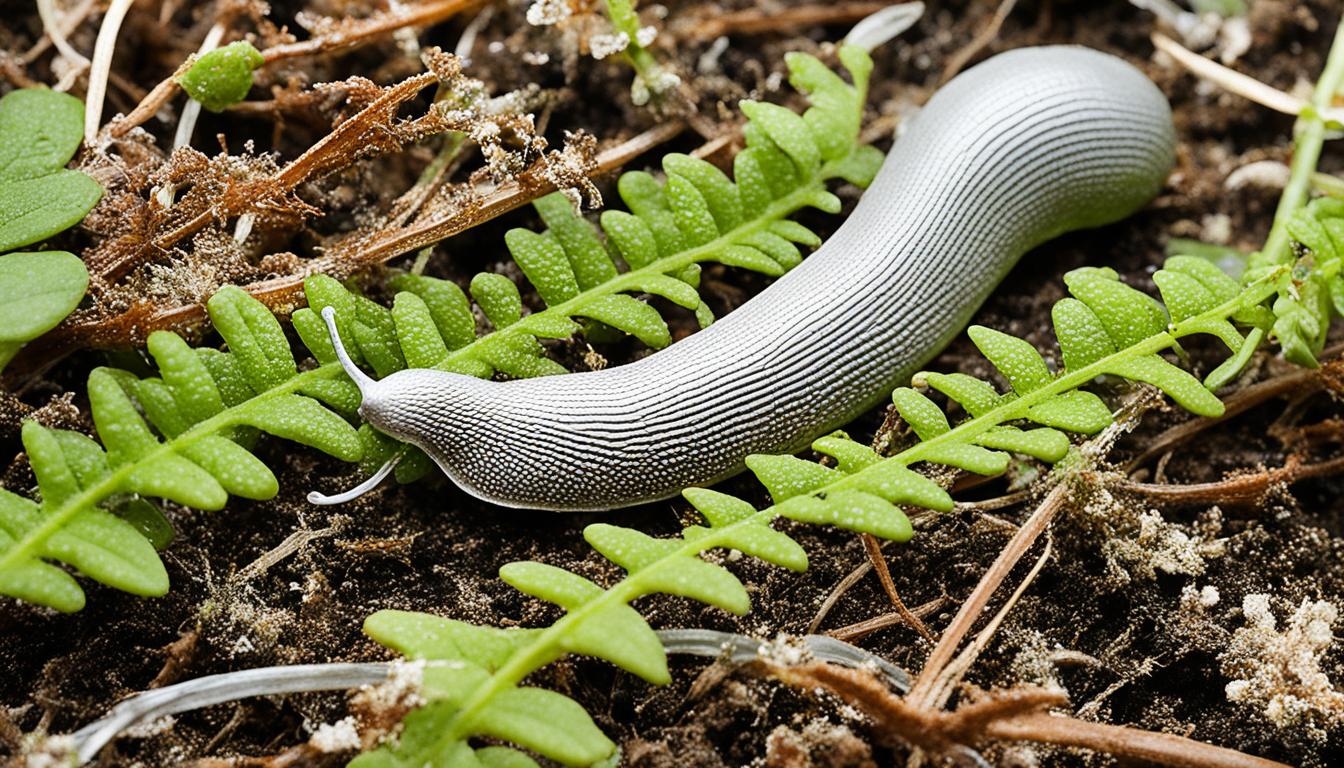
[(1017, 150)]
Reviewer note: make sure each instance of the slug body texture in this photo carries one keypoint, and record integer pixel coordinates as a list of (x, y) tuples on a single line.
[(1024, 147)]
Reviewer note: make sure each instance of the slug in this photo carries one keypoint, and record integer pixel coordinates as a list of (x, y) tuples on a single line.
[(1028, 145)]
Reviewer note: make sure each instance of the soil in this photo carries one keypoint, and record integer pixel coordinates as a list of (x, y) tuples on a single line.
[(1114, 616)]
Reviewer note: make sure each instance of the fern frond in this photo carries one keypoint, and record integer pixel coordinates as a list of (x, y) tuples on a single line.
[(1312, 294), (185, 434), (1105, 329), (182, 436), (697, 215)]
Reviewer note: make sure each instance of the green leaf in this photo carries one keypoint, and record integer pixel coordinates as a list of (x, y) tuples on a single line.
[(632, 316), (784, 476), (32, 210), (40, 130), (222, 77), (37, 291), (851, 510), (39, 133), (545, 722), (1180, 385), (1018, 361)]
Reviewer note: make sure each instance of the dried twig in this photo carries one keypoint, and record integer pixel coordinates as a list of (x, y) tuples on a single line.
[(1297, 381), (983, 38), (860, 629), (1017, 715), (952, 674), (925, 690), (1162, 748), (1235, 82), (349, 36), (362, 31), (879, 561), (1245, 488), (285, 294), (710, 23)]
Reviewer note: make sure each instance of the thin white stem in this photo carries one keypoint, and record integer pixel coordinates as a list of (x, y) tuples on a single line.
[(101, 66), (51, 24), (1235, 82)]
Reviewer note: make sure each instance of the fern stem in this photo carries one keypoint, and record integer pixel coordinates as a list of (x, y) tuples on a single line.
[(547, 645), (112, 483), (1310, 139), (534, 324)]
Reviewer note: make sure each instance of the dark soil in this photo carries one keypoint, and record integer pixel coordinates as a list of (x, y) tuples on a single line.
[(1105, 618)]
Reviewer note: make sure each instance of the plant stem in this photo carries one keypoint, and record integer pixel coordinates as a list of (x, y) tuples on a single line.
[(533, 324), (32, 540), (1310, 130)]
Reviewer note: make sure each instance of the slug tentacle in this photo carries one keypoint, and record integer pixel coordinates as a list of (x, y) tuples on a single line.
[(361, 379), (372, 482)]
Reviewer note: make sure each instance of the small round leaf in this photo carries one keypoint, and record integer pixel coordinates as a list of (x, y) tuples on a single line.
[(37, 291)]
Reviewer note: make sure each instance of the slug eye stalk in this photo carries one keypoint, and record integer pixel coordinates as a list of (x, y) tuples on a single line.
[(367, 390)]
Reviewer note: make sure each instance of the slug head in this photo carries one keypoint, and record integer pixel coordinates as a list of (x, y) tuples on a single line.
[(401, 405)]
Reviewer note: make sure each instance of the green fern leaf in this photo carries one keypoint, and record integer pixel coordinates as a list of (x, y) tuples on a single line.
[(183, 436)]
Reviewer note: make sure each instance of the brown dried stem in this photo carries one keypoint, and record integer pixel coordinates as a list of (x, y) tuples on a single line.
[(1120, 741), (1239, 489), (285, 294), (350, 35), (986, 36), (1012, 715), (1298, 381), (925, 690), (711, 22), (355, 33), (860, 629), (879, 561)]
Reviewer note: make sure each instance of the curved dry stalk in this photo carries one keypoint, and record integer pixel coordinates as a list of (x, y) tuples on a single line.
[(879, 561), (982, 38), (1238, 489), (101, 66), (1120, 741), (1018, 714), (55, 32), (710, 22), (285, 294)]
